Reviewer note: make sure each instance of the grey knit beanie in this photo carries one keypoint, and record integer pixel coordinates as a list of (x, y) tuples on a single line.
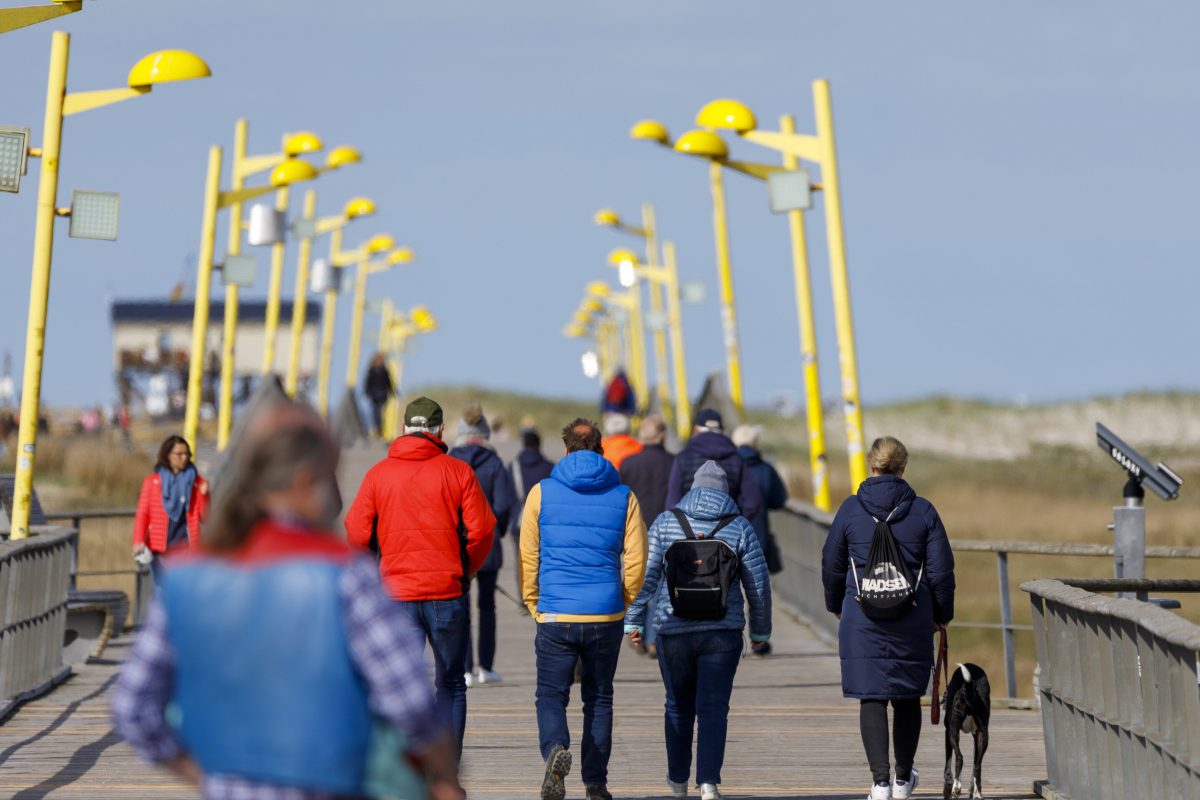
[(711, 476), (474, 424)]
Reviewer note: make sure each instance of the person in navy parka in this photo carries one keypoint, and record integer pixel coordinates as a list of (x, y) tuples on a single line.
[(888, 660)]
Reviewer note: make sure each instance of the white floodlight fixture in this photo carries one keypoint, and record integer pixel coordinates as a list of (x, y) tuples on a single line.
[(238, 271), (94, 215), (591, 365), (14, 150), (267, 226), (323, 277), (790, 190), (627, 274), (693, 292)]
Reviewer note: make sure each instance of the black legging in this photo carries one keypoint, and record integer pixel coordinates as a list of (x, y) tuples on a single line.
[(873, 722)]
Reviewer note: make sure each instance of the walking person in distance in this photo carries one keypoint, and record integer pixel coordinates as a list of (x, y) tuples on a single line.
[(171, 505), (699, 647), (888, 574)]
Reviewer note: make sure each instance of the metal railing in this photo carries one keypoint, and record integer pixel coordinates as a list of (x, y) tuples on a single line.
[(140, 573), (1120, 700), (34, 579), (801, 531)]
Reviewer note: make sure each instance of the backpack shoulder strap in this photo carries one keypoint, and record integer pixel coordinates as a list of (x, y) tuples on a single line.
[(721, 524), (683, 523)]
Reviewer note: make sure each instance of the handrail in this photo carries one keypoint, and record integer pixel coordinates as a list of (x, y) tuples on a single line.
[(1118, 677)]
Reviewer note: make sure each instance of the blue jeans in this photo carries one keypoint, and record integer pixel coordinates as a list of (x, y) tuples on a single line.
[(697, 670), (558, 646), (446, 626), (484, 587)]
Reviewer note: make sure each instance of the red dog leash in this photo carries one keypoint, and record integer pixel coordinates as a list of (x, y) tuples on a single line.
[(940, 666)]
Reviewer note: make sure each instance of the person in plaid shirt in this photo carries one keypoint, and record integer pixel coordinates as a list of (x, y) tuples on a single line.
[(276, 647)]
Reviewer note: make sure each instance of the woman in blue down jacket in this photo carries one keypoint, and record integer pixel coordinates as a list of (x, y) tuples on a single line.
[(698, 658), (888, 660)]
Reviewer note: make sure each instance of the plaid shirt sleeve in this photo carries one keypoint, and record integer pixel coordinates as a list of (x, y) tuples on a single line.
[(388, 649), (143, 688)]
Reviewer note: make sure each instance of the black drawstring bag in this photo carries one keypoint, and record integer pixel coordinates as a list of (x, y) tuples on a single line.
[(887, 589)]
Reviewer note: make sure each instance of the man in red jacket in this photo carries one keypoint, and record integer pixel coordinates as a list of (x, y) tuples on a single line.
[(433, 528)]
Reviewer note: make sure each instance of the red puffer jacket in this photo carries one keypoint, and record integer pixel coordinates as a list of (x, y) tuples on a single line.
[(415, 500), (151, 522)]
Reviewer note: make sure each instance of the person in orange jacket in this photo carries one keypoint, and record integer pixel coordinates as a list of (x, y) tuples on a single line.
[(618, 444), (171, 505), (427, 517)]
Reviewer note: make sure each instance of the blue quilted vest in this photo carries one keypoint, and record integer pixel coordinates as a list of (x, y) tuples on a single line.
[(582, 523), (264, 686)]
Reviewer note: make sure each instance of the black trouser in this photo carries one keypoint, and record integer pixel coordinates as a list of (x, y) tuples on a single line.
[(873, 722), (484, 587)]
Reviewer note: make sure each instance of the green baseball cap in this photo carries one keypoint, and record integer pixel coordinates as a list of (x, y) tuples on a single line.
[(423, 413)]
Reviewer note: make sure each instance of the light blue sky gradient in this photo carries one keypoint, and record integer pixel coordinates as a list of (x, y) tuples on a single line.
[(1019, 177)]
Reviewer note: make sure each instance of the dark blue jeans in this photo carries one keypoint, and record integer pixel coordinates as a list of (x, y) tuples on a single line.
[(558, 646), (697, 670), (484, 588), (446, 626)]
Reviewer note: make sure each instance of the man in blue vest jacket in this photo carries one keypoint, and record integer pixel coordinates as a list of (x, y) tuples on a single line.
[(583, 558)]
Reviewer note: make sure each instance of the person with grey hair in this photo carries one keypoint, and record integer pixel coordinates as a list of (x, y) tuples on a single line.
[(430, 521), (617, 443), (287, 637), (472, 446)]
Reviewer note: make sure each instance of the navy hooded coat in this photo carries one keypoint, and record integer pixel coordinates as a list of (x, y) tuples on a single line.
[(888, 659), (497, 485)]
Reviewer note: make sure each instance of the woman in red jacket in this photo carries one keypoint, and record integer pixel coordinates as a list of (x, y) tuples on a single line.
[(173, 502)]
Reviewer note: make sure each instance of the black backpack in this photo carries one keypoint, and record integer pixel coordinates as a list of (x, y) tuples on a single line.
[(887, 589), (699, 572)]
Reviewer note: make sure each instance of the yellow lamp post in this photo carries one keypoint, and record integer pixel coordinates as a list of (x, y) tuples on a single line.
[(357, 208), (13, 18), (820, 149), (395, 331), (625, 329), (245, 166), (666, 275), (381, 243), (338, 157), (290, 171), (161, 67), (649, 233), (708, 145)]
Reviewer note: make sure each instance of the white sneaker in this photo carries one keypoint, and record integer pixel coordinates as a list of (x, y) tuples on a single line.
[(678, 790), (709, 791), (488, 676), (880, 791), (470, 678), (902, 790)]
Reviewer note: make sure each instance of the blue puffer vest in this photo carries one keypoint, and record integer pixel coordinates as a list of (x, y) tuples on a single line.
[(264, 685), (582, 523)]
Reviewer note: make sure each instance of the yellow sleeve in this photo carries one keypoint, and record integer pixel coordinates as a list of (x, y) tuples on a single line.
[(636, 549), (531, 541)]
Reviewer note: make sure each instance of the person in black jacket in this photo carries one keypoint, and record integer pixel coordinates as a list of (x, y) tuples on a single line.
[(647, 472), (709, 442), (527, 470), (471, 446), (378, 388), (775, 497)]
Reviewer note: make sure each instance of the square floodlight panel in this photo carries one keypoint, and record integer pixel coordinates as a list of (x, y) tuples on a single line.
[(94, 215), (14, 147), (238, 271), (304, 228), (790, 191)]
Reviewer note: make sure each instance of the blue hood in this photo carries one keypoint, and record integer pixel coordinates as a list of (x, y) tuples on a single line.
[(883, 493), (530, 456), (585, 471), (751, 456), (474, 454), (712, 445), (708, 504)]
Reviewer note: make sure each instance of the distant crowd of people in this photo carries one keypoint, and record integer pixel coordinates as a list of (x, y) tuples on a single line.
[(279, 660)]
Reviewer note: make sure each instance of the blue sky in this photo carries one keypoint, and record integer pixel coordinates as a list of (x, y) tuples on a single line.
[(1018, 177)]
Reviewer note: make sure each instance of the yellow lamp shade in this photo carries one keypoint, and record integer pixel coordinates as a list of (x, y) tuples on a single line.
[(581, 317), (727, 115), (598, 289), (401, 255), (650, 130), (359, 207), (292, 170), (420, 312), (303, 142), (574, 331), (380, 242), (592, 305), (165, 66), (606, 216), (622, 255), (341, 156), (702, 143)]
